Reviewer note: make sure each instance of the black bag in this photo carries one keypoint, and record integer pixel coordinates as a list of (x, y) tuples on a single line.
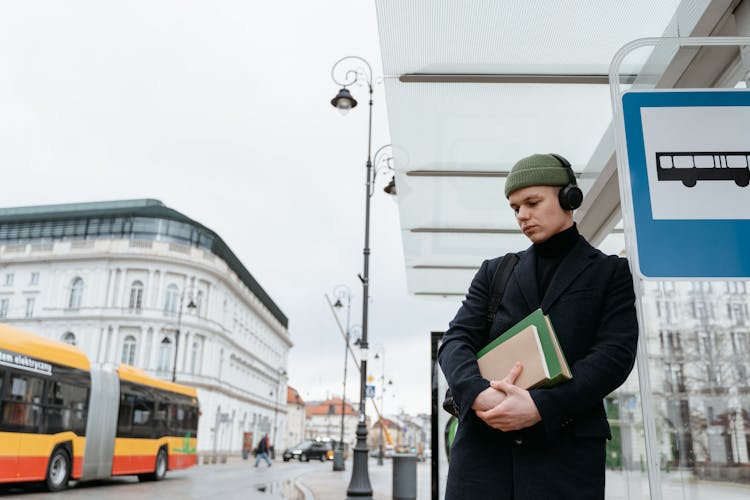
[(497, 287)]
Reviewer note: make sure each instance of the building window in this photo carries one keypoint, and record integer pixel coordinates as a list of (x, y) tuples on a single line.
[(194, 357), (670, 309), (198, 302), (737, 313), (30, 307), (136, 297), (741, 374), (739, 342), (9, 279), (165, 355), (69, 338), (171, 298), (4, 308), (128, 350), (699, 310), (76, 293), (34, 279)]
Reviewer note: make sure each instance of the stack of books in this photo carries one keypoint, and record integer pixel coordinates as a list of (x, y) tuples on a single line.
[(533, 343)]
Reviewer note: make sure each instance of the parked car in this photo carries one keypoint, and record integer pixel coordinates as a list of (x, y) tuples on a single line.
[(307, 450)]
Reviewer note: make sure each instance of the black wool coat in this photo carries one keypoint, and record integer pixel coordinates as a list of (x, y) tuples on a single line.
[(591, 304)]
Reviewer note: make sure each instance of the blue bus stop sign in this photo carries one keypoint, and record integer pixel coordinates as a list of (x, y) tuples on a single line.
[(370, 391), (689, 165)]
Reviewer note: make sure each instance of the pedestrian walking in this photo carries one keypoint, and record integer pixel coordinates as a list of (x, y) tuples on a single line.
[(545, 443), (262, 451)]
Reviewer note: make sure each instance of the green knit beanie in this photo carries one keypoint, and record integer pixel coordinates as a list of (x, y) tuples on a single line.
[(536, 170)]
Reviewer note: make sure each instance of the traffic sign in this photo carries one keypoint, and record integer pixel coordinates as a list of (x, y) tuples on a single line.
[(370, 393), (688, 158)]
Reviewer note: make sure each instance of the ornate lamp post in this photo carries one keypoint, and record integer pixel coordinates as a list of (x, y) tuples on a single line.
[(359, 486), (191, 305), (341, 292)]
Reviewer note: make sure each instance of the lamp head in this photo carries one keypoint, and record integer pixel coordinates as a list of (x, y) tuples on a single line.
[(344, 101), (391, 187)]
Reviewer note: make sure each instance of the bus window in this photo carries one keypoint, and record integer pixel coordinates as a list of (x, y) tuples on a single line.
[(22, 406), (143, 417), (177, 426), (66, 408), (683, 161), (191, 424), (703, 161), (2, 379), (665, 161), (160, 418), (737, 161), (125, 414)]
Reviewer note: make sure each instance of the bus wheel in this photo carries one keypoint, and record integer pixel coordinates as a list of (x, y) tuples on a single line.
[(690, 181), (58, 470), (160, 469), (161, 465)]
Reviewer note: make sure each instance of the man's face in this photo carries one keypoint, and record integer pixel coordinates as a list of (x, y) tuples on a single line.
[(538, 212)]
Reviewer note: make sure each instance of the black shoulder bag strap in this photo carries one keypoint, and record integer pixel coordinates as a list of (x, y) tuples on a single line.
[(498, 284), (497, 288)]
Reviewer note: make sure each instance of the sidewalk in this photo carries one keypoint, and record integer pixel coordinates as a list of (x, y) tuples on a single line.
[(331, 485)]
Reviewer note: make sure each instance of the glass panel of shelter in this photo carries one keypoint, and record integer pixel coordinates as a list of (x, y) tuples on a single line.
[(696, 335)]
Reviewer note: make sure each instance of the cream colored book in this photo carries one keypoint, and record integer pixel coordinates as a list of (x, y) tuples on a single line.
[(533, 342)]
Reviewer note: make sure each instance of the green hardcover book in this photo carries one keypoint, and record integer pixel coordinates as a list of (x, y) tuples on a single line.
[(533, 342)]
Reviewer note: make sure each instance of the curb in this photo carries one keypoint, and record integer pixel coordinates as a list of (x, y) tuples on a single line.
[(303, 489)]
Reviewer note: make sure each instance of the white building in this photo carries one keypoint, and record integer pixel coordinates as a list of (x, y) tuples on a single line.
[(136, 282), (324, 420)]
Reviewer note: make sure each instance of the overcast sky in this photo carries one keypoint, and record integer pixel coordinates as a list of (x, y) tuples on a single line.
[(221, 110)]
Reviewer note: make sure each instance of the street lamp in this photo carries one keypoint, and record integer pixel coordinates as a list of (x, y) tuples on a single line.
[(382, 405), (191, 305), (359, 486), (381, 161), (340, 292), (281, 373)]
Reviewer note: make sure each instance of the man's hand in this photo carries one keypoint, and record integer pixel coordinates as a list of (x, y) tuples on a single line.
[(517, 410), (491, 397)]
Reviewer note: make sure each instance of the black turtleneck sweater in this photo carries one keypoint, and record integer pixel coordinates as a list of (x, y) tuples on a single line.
[(549, 253)]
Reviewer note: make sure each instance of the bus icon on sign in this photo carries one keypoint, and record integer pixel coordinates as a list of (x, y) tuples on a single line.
[(691, 167)]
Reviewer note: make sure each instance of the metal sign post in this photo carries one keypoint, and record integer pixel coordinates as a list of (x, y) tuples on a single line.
[(673, 160)]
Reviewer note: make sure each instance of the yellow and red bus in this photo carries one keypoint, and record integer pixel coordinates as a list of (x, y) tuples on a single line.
[(62, 418)]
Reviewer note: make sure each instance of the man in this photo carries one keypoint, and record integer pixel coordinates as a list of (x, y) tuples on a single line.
[(546, 443), (263, 451)]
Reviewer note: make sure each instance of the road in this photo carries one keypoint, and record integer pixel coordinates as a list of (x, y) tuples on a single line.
[(236, 479)]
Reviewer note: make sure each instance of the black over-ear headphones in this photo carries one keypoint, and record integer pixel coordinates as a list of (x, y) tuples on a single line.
[(570, 195)]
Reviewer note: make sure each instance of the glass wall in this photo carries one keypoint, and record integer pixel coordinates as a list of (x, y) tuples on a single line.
[(145, 228), (697, 335)]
